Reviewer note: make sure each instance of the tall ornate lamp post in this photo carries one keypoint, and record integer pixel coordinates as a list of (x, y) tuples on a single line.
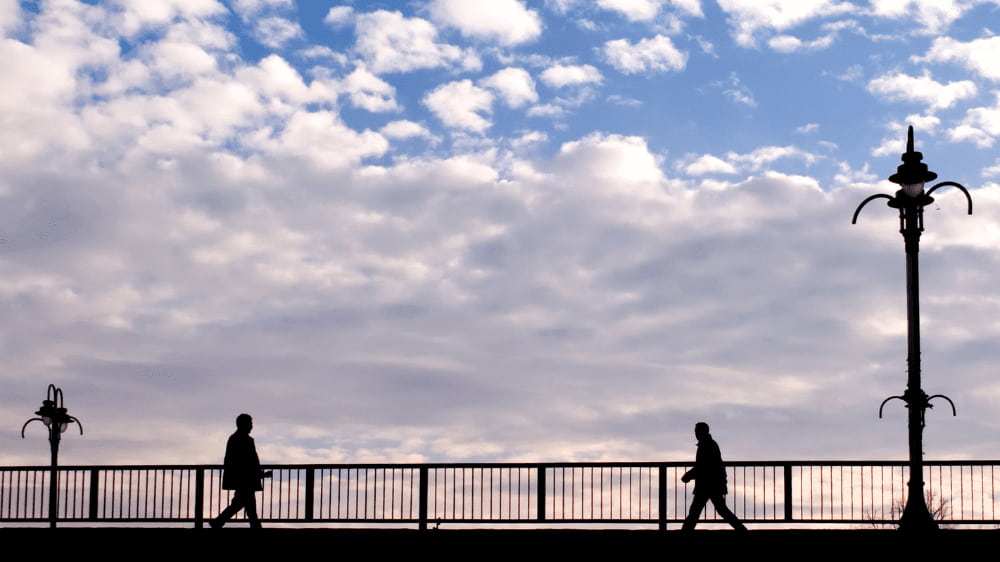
[(911, 199), (53, 415)]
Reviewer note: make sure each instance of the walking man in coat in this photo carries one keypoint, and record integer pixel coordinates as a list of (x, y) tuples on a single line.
[(242, 474), (709, 477)]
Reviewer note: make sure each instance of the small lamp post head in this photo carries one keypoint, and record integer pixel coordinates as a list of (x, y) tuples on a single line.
[(53, 414), (47, 412), (912, 174)]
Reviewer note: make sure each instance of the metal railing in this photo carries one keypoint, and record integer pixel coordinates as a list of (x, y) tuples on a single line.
[(783, 493)]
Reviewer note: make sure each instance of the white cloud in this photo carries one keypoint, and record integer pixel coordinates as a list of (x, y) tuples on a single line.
[(993, 170), (750, 17), (370, 92), (459, 105), (278, 80), (507, 22), (616, 165), (849, 176), (790, 44), (895, 142), (926, 123), (624, 101), (249, 8), (708, 164), (785, 43), (547, 110), (935, 15), (137, 15), (648, 10), (759, 159), (981, 125), (323, 52), (969, 133), (648, 55), (633, 10), (854, 73), (323, 140), (706, 46), (180, 60), (10, 15), (528, 139), (741, 96), (339, 15), (568, 75), (212, 109), (390, 42), (205, 34), (276, 31), (924, 89), (404, 129), (978, 55), (515, 86), (562, 6), (689, 7), (739, 92), (764, 156), (808, 128)]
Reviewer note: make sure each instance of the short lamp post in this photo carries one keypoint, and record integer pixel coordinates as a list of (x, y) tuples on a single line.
[(53, 414), (911, 199)]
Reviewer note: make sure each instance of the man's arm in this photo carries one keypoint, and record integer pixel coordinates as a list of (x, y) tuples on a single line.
[(690, 475), (699, 466)]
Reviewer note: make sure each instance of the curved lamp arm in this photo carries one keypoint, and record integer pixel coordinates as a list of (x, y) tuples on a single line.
[(80, 425), (953, 411), (857, 211), (26, 425), (888, 399), (953, 184)]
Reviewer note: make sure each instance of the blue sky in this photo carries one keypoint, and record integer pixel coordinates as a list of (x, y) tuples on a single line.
[(502, 230)]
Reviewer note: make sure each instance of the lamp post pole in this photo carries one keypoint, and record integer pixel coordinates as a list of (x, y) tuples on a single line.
[(55, 417), (911, 199)]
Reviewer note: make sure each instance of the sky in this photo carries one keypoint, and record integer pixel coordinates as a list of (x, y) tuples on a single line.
[(497, 230)]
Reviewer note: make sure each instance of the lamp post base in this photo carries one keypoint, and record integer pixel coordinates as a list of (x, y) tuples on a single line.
[(917, 518)]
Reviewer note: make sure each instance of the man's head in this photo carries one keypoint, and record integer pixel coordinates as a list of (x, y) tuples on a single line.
[(244, 423), (701, 430)]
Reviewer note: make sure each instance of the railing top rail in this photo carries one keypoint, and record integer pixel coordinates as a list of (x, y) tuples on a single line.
[(603, 464)]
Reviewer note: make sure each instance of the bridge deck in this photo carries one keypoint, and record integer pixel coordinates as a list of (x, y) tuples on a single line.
[(450, 544)]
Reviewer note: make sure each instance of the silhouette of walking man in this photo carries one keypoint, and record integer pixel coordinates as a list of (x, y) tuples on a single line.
[(242, 474), (709, 477)]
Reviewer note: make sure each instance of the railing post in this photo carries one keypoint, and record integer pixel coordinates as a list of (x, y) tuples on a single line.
[(53, 490), (788, 491), (540, 494), (310, 486), (662, 482), (94, 481), (199, 498), (423, 499)]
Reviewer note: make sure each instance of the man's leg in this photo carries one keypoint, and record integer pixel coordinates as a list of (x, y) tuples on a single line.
[(234, 507), (250, 506), (720, 506), (697, 506)]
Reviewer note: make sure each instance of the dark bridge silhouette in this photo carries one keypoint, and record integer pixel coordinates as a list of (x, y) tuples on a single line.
[(607, 494)]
